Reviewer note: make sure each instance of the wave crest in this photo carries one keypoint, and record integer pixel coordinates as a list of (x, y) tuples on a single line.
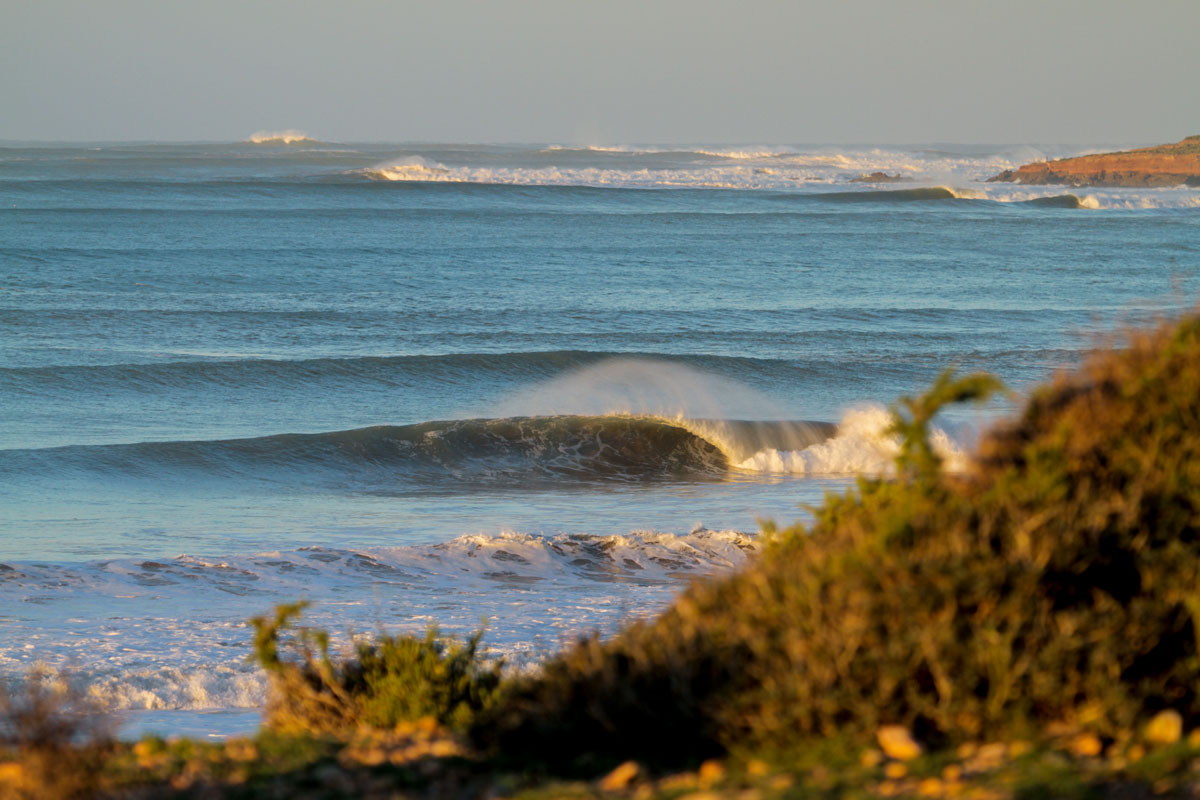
[(412, 168), (280, 137), (517, 450), (509, 451)]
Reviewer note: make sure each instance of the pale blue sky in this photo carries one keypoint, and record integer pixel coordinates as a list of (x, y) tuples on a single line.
[(595, 72)]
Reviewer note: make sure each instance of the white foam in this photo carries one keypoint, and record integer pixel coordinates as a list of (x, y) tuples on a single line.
[(862, 446), (161, 688), (279, 137), (171, 634), (1093, 198), (763, 167), (778, 168), (412, 168), (1137, 200), (645, 178), (597, 148), (745, 154), (768, 168)]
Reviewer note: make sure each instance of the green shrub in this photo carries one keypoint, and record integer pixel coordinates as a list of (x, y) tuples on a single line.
[(390, 680), (1056, 581)]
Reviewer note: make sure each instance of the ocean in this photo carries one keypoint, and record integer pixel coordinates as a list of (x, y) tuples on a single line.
[(532, 387)]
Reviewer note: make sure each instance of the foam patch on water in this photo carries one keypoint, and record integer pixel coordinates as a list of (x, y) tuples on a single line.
[(1147, 199), (167, 688), (171, 634)]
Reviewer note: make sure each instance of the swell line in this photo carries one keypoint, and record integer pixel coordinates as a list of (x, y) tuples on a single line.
[(621, 448)]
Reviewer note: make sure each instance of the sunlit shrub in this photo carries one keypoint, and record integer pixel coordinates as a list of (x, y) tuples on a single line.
[(53, 739), (382, 683), (1057, 581)]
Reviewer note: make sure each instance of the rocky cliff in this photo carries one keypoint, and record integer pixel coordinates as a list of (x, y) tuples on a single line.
[(1164, 165)]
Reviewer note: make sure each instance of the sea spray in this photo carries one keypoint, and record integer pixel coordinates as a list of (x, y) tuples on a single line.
[(644, 387)]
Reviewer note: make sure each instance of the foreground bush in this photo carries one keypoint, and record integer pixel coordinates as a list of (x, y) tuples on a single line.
[(53, 739), (392, 680), (1056, 583)]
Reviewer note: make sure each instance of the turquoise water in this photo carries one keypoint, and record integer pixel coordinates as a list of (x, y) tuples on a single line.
[(398, 380)]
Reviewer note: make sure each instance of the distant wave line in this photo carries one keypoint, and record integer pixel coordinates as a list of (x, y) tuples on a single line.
[(508, 362)]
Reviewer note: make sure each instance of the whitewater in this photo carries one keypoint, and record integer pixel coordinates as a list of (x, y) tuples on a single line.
[(534, 387)]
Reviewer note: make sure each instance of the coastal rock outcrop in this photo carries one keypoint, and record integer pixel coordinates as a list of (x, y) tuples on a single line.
[(1164, 165), (880, 177)]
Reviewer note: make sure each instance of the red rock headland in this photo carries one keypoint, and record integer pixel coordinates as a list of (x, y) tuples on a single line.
[(1164, 165)]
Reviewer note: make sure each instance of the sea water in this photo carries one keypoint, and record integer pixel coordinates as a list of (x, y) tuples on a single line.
[(535, 387)]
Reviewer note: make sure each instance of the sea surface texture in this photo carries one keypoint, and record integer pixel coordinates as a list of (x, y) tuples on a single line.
[(537, 387)]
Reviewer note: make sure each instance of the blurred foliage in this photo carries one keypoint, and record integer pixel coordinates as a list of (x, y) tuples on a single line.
[(60, 739), (1057, 581), (384, 682)]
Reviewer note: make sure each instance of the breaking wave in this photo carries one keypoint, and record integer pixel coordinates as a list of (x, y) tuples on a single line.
[(480, 451), (862, 444), (417, 169), (733, 153), (281, 137), (510, 451), (783, 174), (921, 194), (747, 154), (931, 193), (819, 175), (597, 148)]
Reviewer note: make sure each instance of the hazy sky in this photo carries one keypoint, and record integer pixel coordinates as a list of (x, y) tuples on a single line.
[(603, 71)]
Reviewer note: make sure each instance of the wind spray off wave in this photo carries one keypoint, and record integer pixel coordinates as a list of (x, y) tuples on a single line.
[(742, 424)]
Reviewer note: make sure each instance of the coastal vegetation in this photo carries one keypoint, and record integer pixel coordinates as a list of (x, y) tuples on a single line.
[(384, 683), (1026, 628)]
